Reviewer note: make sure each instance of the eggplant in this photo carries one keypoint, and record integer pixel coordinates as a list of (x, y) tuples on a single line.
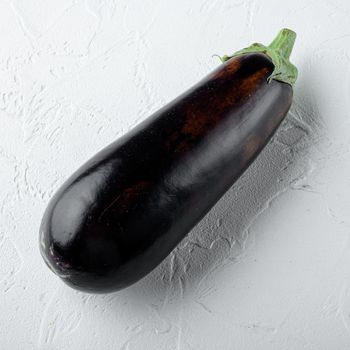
[(118, 216)]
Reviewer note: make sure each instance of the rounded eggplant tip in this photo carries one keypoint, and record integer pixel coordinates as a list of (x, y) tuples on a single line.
[(49, 252), (88, 261), (79, 277)]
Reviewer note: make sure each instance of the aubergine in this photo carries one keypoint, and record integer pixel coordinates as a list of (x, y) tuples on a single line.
[(118, 216)]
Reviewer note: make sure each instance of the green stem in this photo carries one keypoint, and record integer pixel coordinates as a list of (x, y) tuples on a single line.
[(279, 51), (284, 42)]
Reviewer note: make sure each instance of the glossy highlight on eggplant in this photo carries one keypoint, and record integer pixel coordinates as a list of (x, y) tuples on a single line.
[(118, 216)]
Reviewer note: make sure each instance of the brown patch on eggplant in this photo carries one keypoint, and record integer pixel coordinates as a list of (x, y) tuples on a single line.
[(228, 70)]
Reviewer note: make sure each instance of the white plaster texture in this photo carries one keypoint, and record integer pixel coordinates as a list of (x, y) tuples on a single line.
[(268, 267)]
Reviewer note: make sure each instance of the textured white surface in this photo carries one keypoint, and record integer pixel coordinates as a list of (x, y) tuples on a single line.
[(269, 267)]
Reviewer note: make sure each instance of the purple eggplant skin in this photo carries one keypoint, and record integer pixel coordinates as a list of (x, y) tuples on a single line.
[(117, 217)]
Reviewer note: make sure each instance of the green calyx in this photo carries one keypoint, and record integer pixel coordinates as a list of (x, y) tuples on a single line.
[(279, 51)]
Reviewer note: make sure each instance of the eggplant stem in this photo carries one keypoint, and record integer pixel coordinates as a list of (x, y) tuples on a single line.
[(284, 42), (279, 51)]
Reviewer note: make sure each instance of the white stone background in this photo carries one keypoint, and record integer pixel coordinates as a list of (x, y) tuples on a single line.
[(268, 267)]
